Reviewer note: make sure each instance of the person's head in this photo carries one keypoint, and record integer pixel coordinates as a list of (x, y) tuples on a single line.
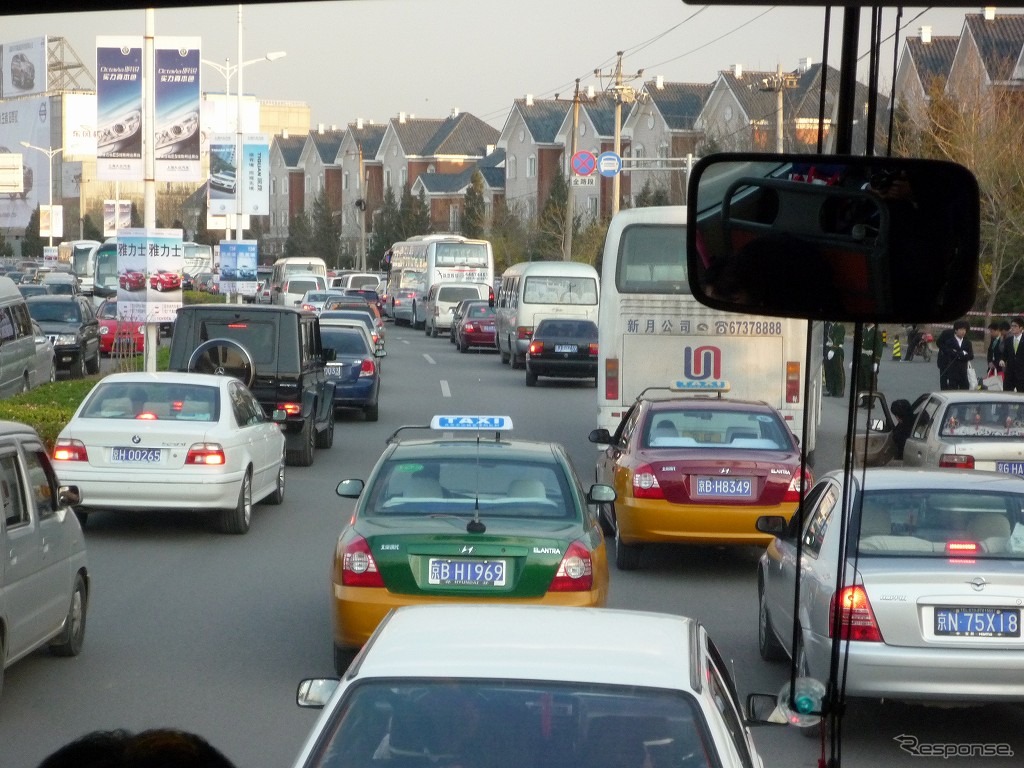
[(1017, 325), (1004, 327), (156, 748), (902, 409), (993, 327), (960, 328)]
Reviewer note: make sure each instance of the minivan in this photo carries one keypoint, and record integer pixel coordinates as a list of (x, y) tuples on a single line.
[(442, 298), (18, 359), (296, 286)]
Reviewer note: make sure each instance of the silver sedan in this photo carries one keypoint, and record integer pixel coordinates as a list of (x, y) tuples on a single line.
[(933, 585)]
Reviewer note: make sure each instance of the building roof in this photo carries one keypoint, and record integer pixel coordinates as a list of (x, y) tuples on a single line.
[(290, 148), (932, 59), (327, 144), (678, 103), (461, 135), (414, 134), (368, 137), (999, 40), (543, 117), (601, 110)]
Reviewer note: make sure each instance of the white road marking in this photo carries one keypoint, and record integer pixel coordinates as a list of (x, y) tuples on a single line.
[(445, 389), (429, 359)]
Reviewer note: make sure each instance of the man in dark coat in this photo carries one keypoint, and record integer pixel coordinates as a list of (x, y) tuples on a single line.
[(870, 355), (955, 354), (1012, 360), (835, 371)]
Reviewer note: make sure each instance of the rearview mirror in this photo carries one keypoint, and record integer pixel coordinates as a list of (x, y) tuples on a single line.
[(829, 237)]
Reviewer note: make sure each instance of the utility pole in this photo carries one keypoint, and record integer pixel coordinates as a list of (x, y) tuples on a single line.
[(777, 84), (570, 203), (623, 94)]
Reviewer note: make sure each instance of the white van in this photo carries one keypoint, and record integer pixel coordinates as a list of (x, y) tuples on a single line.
[(348, 280), (296, 286), (294, 265), (533, 290), (442, 299), (18, 360)]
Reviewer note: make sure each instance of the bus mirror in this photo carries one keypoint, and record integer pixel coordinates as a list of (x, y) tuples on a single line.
[(829, 237)]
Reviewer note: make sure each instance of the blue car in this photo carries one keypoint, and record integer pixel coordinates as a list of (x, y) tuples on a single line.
[(355, 370)]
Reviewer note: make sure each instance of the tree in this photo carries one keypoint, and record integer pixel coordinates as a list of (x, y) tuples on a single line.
[(387, 227), (32, 243), (89, 230), (509, 237), (300, 237), (6, 248), (652, 195), (547, 245), (326, 239), (414, 213), (473, 220)]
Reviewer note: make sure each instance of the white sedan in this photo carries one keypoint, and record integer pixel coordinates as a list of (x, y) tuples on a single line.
[(516, 686), (148, 441)]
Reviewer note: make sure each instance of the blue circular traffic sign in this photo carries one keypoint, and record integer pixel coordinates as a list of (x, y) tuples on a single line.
[(609, 163), (584, 163)]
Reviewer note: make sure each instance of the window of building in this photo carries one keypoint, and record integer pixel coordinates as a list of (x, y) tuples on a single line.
[(454, 217), (284, 185), (273, 185), (531, 166), (431, 168), (510, 169), (403, 176), (663, 155), (344, 182)]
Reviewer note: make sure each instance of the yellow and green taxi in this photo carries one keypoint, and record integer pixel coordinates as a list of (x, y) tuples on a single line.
[(696, 469), (465, 516)]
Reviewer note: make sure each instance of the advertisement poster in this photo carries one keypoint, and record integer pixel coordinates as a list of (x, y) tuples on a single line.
[(238, 259), (177, 134), (256, 174), (223, 171), (149, 266), (24, 68), (79, 125), (51, 221), (117, 214), (119, 108), (27, 120)]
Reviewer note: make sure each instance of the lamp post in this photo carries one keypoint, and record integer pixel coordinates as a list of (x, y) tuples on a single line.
[(49, 181)]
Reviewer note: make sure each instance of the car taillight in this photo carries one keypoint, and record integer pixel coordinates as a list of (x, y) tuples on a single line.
[(292, 409), (309, 308), (209, 454), (397, 302), (375, 337), (611, 379), (857, 620), (358, 568), (645, 483), (575, 572), (956, 461), (592, 349), (962, 548), (536, 347), (793, 382), (70, 450), (793, 492), (524, 332), (468, 327), (368, 368)]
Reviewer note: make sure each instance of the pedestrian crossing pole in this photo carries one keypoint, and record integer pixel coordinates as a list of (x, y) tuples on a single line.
[(896, 352)]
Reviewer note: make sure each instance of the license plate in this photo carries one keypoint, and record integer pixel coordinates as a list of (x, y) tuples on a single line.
[(725, 487), (136, 455), (1010, 467), (973, 622), (488, 329), (333, 369), (566, 348), (466, 573)]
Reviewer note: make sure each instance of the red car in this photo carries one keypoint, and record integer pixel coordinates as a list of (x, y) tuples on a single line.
[(119, 336), (165, 280), (476, 328), (132, 280)]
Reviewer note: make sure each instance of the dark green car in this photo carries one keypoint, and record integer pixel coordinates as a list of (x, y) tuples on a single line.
[(473, 517)]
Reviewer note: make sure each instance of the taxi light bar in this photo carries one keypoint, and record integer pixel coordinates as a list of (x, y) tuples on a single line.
[(70, 450), (465, 423)]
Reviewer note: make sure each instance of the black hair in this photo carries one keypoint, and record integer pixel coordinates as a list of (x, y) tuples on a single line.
[(961, 324)]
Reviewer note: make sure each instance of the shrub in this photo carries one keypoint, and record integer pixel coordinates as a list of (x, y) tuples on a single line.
[(49, 407)]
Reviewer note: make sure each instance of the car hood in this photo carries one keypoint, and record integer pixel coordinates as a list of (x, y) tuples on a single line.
[(55, 327)]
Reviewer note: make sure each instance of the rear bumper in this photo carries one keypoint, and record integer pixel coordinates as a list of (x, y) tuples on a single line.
[(130, 492), (659, 521), (569, 369)]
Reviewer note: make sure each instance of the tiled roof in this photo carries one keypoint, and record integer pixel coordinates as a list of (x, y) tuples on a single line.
[(327, 144), (462, 135), (601, 110), (290, 148), (445, 183), (999, 42), (414, 134), (543, 117), (368, 137), (932, 59), (678, 103)]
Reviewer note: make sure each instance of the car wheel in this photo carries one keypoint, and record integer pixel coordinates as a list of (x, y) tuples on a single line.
[(69, 641), (93, 365), (531, 379), (606, 516), (78, 370), (3, 661), (463, 346), (53, 373), (277, 497), (372, 412), (159, 287), (502, 355), (325, 439), (24, 384), (518, 361), (767, 642), (433, 330), (83, 517), (343, 657), (303, 456), (426, 328), (238, 519), (627, 556), (225, 357)]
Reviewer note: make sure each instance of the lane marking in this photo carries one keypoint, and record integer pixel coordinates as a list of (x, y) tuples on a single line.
[(445, 389), (429, 359)]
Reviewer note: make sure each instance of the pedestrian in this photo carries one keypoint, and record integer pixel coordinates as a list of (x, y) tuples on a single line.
[(914, 336), (870, 355), (998, 332), (835, 355), (156, 748), (955, 356), (1012, 360)]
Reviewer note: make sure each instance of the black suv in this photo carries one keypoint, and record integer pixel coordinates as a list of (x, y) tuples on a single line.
[(276, 351), (71, 325)]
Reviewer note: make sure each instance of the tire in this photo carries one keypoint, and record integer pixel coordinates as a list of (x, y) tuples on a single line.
[(501, 354), (69, 641), (518, 361), (627, 556), (3, 661), (159, 287), (463, 346), (767, 642), (277, 497), (78, 369), (93, 366), (606, 516), (372, 412), (343, 657), (426, 329), (325, 439), (53, 373), (225, 357), (433, 330), (303, 456), (531, 379), (238, 519)]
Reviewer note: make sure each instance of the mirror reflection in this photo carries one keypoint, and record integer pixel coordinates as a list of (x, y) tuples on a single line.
[(833, 237)]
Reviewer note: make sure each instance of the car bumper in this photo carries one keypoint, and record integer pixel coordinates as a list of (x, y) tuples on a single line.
[(479, 339), (67, 358), (132, 492), (655, 521), (569, 369), (359, 394), (358, 610), (877, 670)]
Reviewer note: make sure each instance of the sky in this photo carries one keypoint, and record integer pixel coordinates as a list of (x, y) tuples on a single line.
[(374, 59)]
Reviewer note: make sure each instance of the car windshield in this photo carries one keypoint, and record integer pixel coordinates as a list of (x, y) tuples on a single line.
[(715, 428), (456, 293), (518, 489), (55, 311), (315, 296), (560, 290), (431, 723), (153, 400), (342, 314), (480, 311), (983, 420), (942, 523), (344, 341), (301, 286), (61, 289)]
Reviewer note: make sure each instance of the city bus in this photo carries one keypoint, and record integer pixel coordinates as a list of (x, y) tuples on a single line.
[(652, 332), (533, 290), (80, 255), (421, 261)]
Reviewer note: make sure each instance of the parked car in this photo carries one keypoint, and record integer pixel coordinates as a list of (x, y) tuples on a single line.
[(71, 325), (45, 584), (562, 348), (119, 336)]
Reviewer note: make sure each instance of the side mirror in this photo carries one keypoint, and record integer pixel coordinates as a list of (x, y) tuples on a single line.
[(314, 693), (774, 524), (763, 709), (833, 237), (69, 495), (601, 494), (279, 416), (600, 436), (349, 489)]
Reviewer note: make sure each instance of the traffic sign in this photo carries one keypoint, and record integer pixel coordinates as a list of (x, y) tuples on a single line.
[(583, 163), (609, 163), (584, 181)]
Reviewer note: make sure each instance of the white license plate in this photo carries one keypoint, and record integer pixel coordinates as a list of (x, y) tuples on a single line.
[(333, 369), (566, 348), (136, 455)]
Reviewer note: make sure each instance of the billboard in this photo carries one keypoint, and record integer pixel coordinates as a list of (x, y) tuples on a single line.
[(119, 108), (256, 174), (223, 175), (79, 125), (117, 214), (51, 221), (177, 133), (24, 68), (149, 266), (238, 259), (26, 120)]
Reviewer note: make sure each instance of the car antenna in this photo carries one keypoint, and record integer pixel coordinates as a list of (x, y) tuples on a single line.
[(476, 525)]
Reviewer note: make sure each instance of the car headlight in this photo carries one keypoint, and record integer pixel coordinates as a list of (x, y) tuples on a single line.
[(104, 330), (66, 338)]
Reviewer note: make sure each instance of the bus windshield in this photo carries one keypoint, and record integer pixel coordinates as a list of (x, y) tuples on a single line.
[(458, 254)]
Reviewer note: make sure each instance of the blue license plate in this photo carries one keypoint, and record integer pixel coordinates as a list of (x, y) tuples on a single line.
[(1010, 467), (136, 455), (447, 572), (974, 622), (725, 487), (566, 348)]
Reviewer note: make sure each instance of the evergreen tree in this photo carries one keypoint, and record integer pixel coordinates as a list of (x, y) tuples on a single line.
[(90, 231), (137, 220), (509, 237), (551, 224), (300, 237), (473, 223), (32, 244), (6, 248), (415, 214), (387, 229), (326, 241)]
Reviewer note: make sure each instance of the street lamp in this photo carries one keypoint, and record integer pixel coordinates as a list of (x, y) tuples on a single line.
[(49, 181)]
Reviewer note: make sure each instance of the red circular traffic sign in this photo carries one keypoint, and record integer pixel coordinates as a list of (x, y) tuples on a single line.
[(584, 163)]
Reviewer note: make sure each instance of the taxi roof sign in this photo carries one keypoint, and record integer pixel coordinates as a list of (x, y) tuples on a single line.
[(710, 385), (452, 423)]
